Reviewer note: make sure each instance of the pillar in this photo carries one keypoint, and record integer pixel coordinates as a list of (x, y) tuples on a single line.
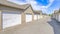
[(0, 20), (32, 17), (37, 16), (23, 18)]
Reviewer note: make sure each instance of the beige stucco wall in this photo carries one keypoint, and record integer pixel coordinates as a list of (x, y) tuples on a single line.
[(0, 21), (56, 16), (38, 16), (59, 17), (30, 11), (23, 18), (23, 13), (9, 9)]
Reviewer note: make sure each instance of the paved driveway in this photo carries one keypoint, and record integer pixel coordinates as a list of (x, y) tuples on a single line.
[(42, 26)]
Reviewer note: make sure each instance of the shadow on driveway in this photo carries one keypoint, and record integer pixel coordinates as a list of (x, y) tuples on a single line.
[(55, 25)]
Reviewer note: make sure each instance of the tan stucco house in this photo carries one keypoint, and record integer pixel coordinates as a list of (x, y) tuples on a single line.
[(29, 15), (12, 14), (56, 15), (36, 15)]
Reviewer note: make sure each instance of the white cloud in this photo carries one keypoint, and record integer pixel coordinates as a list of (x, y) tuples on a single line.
[(38, 7), (51, 1), (35, 4), (56, 9), (32, 2)]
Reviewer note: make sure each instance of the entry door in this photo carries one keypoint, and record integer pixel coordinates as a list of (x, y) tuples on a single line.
[(35, 17), (11, 19), (28, 17)]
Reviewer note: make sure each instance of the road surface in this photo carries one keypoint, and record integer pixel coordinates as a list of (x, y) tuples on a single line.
[(44, 25)]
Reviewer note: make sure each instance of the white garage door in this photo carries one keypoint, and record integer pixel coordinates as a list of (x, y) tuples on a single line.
[(38, 16), (11, 19), (35, 17), (28, 18)]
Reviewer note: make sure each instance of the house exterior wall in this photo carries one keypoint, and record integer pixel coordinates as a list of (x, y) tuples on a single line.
[(0, 21), (20, 11), (23, 17), (53, 16), (39, 16), (8, 10), (28, 18), (11, 19), (58, 17), (29, 11), (35, 17)]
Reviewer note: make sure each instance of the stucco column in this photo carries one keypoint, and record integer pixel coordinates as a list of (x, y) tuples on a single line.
[(32, 17), (41, 16), (59, 17), (0, 21), (23, 18), (37, 16)]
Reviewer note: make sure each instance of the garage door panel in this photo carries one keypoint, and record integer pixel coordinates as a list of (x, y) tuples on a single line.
[(38, 16), (11, 19), (28, 18), (35, 17)]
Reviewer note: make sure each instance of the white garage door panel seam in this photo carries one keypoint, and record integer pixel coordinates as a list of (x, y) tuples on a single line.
[(35, 17), (11, 19), (28, 18)]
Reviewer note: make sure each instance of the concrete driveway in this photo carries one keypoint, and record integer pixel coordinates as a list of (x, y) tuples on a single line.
[(42, 26)]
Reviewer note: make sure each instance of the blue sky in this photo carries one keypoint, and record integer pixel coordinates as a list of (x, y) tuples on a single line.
[(47, 6)]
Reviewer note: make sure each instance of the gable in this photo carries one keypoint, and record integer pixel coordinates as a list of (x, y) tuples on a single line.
[(29, 10)]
